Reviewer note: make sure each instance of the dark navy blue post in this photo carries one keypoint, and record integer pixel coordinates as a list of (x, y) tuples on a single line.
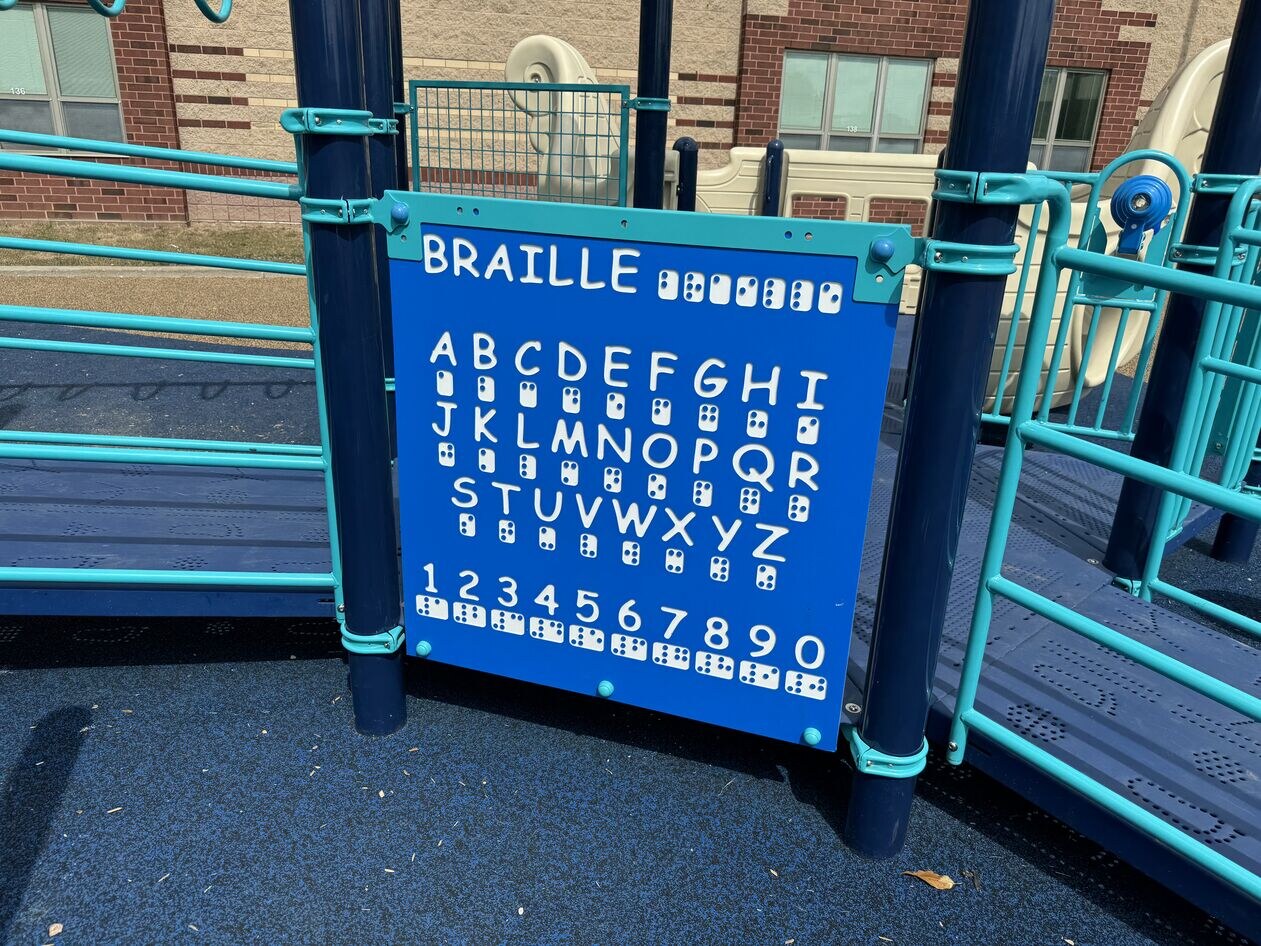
[(772, 178), (1000, 73), (328, 63), (685, 186), (656, 19), (400, 95), (375, 19), (1233, 147)]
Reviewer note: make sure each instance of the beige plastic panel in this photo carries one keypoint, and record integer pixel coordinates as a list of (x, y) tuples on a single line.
[(1176, 123)]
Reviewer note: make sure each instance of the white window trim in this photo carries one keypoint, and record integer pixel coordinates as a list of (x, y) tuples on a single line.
[(52, 83), (877, 110), (1047, 144)]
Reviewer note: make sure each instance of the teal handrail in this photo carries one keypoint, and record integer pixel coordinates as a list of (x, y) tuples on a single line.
[(126, 149), (152, 256), (172, 443), (30, 575), (34, 451), (154, 177), (156, 323), (173, 354)]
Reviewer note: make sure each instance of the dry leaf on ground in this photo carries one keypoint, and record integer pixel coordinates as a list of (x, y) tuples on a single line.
[(933, 879)]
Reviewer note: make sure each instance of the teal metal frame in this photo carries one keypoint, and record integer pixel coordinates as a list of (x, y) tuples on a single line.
[(483, 138), (1094, 237), (1030, 430), (62, 446)]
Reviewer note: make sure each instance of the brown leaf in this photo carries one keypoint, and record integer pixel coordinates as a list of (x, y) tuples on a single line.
[(933, 879)]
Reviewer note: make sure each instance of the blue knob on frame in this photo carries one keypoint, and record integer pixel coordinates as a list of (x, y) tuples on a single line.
[(423, 648), (882, 250), (399, 213), (605, 688), (812, 736), (1138, 205)]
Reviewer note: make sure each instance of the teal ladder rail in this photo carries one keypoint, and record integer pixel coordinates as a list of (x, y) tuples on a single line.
[(1029, 427), (105, 448)]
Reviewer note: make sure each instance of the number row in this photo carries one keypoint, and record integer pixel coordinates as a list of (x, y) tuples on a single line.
[(809, 651)]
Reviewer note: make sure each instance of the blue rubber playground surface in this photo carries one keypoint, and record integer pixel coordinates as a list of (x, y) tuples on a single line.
[(197, 779)]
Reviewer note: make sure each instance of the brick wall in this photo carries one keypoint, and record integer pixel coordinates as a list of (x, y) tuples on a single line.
[(148, 104), (1087, 34)]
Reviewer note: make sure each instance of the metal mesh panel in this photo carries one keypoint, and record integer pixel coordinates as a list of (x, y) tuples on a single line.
[(523, 140)]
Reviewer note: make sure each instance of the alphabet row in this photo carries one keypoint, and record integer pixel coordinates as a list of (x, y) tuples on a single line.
[(670, 656), (756, 422), (632, 552), (702, 490), (717, 288)]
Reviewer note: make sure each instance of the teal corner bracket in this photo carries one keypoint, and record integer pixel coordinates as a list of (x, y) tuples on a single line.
[(387, 642), (335, 121), (871, 761), (1218, 183), (976, 258)]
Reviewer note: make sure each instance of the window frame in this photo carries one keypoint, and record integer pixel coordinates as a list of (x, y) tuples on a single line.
[(1048, 143), (825, 132), (52, 82)]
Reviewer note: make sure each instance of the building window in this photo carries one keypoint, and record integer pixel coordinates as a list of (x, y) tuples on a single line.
[(1067, 119), (854, 103), (57, 73)]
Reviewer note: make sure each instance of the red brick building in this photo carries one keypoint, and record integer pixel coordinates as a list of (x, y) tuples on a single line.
[(839, 74)]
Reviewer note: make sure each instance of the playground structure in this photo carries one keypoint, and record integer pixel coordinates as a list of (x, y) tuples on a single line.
[(470, 128), (1062, 717)]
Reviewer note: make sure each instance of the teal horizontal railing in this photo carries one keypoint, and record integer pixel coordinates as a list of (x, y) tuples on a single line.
[(153, 177), (35, 140), (152, 256), (107, 448), (1031, 427)]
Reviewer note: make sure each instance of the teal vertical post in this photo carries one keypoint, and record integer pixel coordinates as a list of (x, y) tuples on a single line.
[(329, 68)]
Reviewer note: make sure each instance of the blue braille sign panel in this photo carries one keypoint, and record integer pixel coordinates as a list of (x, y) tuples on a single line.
[(638, 464)]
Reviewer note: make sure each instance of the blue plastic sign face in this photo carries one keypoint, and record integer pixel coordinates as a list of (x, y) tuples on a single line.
[(638, 468)]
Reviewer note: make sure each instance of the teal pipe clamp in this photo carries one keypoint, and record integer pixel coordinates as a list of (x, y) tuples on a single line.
[(994, 187), (337, 211), (402, 108), (646, 103), (110, 10), (387, 642), (1200, 255), (1218, 183), (871, 761), (335, 121), (975, 258)]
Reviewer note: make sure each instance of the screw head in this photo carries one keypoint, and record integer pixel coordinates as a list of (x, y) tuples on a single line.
[(1140, 202), (882, 250), (853, 709), (341, 609), (952, 746), (399, 212), (317, 120), (605, 688), (423, 648), (937, 257), (812, 736)]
